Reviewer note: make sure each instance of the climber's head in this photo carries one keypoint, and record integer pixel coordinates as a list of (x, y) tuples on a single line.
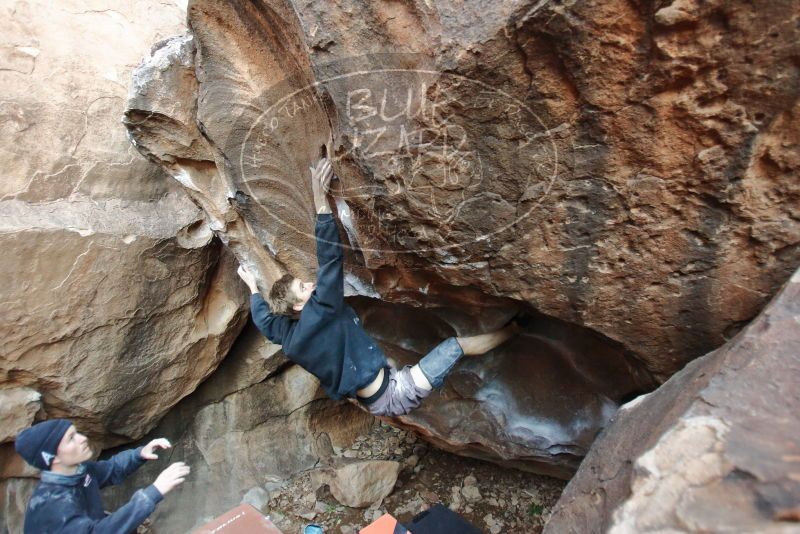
[(289, 294)]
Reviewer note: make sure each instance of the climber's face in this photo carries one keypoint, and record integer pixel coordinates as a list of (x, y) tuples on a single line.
[(302, 290)]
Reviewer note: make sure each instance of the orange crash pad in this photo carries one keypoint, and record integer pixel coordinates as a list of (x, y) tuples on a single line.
[(385, 524), (244, 519)]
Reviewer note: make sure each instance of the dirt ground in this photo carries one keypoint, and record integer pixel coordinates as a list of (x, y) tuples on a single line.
[(492, 498)]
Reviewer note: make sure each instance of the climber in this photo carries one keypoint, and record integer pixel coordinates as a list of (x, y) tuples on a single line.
[(67, 498), (322, 334)]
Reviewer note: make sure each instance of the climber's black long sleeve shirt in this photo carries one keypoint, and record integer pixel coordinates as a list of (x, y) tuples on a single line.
[(328, 340)]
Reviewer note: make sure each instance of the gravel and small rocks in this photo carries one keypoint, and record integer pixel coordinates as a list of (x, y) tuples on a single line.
[(492, 498)]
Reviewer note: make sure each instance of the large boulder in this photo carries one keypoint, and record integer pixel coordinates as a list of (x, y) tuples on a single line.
[(600, 161), (612, 168), (117, 299), (360, 483), (14, 496), (714, 449)]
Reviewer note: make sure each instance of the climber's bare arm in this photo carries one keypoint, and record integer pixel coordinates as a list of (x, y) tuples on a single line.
[(248, 278), (474, 345)]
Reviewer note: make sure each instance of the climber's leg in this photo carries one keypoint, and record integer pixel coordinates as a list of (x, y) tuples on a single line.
[(437, 364), (406, 388), (400, 396), (483, 343)]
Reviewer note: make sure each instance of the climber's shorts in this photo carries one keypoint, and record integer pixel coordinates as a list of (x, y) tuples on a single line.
[(401, 394)]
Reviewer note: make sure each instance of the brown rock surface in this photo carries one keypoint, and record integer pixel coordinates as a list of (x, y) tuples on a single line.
[(19, 407), (625, 171), (714, 449), (116, 300), (602, 161), (615, 166)]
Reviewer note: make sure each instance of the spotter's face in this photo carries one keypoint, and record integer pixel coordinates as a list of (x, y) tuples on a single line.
[(73, 449)]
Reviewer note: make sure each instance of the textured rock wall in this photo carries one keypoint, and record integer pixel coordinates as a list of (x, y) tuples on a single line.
[(117, 300), (535, 403), (614, 166), (628, 170), (605, 162), (662, 183), (714, 449)]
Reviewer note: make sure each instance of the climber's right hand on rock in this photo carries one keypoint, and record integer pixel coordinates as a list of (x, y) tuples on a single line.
[(321, 175), (171, 477), (248, 278)]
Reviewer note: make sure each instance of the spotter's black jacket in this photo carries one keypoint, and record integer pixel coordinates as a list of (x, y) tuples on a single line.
[(71, 504)]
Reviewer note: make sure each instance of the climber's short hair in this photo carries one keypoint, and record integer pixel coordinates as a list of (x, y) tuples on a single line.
[(282, 296)]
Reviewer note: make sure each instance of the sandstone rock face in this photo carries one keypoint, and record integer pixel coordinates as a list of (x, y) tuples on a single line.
[(246, 430), (602, 161), (714, 449), (627, 172), (19, 408), (117, 302)]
